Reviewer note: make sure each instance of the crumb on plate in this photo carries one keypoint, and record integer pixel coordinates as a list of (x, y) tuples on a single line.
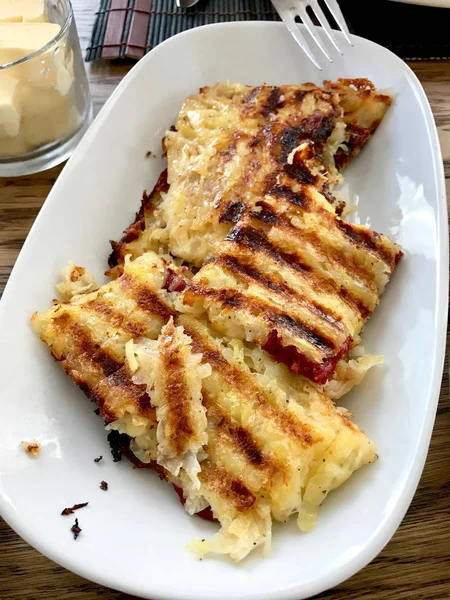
[(72, 509), (76, 529), (33, 449)]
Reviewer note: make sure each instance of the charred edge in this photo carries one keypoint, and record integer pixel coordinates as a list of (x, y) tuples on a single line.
[(82, 339), (145, 298), (232, 264), (298, 363), (117, 441), (366, 239), (84, 386), (133, 232), (272, 102), (257, 241), (317, 128)]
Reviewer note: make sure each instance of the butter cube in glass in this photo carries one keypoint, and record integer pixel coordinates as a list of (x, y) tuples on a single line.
[(45, 106)]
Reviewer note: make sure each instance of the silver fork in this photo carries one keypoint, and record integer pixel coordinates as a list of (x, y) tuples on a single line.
[(289, 9)]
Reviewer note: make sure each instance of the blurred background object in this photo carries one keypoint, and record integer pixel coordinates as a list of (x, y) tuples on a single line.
[(131, 28), (45, 104)]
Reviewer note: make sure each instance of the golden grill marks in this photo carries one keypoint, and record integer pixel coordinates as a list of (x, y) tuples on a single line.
[(236, 377), (173, 377), (266, 431), (88, 335), (117, 396), (262, 284), (228, 139), (265, 425)]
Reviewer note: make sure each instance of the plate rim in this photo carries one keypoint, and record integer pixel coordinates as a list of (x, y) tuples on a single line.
[(385, 530), (429, 3)]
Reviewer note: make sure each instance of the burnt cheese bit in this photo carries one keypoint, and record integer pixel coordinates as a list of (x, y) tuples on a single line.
[(72, 509), (115, 443), (75, 529), (104, 486), (98, 459), (97, 411)]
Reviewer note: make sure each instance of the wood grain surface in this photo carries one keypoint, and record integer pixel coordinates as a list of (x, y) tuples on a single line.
[(415, 565)]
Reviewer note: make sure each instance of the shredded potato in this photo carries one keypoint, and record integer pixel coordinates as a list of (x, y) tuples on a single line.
[(74, 280)]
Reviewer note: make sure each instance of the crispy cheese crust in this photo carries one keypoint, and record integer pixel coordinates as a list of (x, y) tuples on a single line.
[(272, 443), (182, 366), (229, 145), (295, 279)]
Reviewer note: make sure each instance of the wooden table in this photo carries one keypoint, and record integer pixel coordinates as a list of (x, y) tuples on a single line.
[(415, 565)]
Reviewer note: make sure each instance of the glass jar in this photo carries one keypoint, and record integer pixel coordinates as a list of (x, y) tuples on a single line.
[(45, 105)]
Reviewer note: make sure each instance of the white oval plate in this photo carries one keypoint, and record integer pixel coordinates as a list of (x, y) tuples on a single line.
[(435, 3), (134, 535)]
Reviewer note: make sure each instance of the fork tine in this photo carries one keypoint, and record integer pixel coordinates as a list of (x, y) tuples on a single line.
[(293, 28), (334, 9), (312, 29), (324, 22)]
